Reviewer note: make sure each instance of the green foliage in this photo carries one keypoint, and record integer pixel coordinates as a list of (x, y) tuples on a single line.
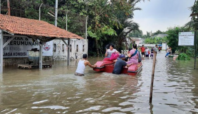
[(156, 40), (190, 51), (136, 33), (157, 32), (101, 32), (173, 35), (183, 56), (147, 35), (106, 21)]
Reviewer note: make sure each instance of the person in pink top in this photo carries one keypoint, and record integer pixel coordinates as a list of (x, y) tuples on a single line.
[(133, 56)]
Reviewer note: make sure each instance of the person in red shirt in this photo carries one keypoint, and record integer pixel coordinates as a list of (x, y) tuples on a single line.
[(143, 50)]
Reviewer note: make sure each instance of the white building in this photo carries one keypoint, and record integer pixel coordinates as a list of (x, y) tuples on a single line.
[(134, 39), (78, 48)]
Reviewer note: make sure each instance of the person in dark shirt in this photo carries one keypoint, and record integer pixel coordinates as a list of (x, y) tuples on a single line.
[(120, 63)]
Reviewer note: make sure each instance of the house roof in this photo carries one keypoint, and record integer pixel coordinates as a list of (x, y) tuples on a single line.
[(31, 27)]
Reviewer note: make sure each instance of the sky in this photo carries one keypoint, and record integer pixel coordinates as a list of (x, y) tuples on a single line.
[(162, 14)]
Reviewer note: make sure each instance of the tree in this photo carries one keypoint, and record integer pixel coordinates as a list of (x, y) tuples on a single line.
[(111, 22), (157, 32), (108, 21), (136, 33), (155, 40), (173, 35)]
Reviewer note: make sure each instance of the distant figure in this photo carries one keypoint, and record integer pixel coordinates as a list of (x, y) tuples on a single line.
[(82, 64), (147, 52), (142, 50), (168, 52), (152, 50), (110, 51), (175, 57), (159, 48), (139, 57), (155, 48)]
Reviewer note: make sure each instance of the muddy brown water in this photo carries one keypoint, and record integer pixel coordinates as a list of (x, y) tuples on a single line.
[(58, 91)]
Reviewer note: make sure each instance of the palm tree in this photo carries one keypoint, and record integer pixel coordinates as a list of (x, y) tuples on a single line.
[(126, 20)]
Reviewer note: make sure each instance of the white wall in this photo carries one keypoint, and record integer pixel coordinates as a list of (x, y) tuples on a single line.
[(74, 54), (164, 46), (147, 45)]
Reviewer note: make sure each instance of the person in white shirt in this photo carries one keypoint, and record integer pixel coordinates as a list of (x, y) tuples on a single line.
[(82, 64), (110, 51), (147, 52)]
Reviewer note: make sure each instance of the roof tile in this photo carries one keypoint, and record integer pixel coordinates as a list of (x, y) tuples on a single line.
[(24, 26)]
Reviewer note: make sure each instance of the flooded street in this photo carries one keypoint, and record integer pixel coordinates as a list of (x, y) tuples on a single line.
[(58, 91)]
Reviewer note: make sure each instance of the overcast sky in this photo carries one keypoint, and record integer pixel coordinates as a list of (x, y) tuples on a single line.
[(162, 14)]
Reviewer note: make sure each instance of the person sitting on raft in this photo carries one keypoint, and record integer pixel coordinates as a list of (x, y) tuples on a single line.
[(110, 51), (134, 58), (82, 64), (133, 55)]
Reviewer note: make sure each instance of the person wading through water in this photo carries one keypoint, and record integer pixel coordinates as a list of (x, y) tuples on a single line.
[(82, 64), (143, 50)]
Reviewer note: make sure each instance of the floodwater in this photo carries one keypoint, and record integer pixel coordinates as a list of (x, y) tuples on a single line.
[(58, 91)]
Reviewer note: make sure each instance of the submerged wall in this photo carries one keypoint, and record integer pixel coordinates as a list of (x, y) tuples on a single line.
[(14, 61), (78, 48)]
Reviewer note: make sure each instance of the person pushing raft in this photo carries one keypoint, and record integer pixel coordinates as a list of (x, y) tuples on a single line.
[(120, 63), (82, 64)]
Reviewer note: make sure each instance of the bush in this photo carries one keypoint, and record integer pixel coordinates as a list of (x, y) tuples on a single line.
[(173, 35), (155, 40), (183, 56)]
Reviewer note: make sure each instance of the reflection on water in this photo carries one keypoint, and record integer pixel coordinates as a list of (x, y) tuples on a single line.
[(57, 90)]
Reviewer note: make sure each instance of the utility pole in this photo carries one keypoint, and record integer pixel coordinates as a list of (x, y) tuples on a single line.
[(8, 5), (41, 44), (68, 44), (40, 11), (1, 51), (195, 43), (66, 20), (56, 12), (86, 22), (152, 77), (0, 6)]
